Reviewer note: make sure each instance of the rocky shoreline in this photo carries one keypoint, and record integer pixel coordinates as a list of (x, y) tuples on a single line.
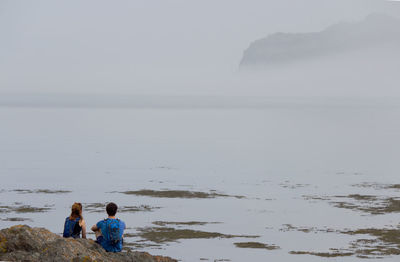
[(23, 243)]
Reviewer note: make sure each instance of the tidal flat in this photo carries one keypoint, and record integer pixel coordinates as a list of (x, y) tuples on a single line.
[(371, 243), (366, 243), (319, 182)]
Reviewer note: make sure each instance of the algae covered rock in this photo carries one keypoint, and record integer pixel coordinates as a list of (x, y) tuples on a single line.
[(23, 243)]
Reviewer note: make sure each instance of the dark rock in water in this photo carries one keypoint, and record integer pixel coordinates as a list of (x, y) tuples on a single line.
[(22, 243)]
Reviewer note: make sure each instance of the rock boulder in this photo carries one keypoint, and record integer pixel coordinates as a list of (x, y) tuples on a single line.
[(23, 243)]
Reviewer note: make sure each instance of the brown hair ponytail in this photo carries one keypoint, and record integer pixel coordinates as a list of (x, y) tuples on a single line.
[(76, 211)]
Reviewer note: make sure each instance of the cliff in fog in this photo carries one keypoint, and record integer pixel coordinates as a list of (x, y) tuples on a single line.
[(374, 31)]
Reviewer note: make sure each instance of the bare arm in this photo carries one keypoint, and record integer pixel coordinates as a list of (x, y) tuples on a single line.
[(83, 229), (95, 228)]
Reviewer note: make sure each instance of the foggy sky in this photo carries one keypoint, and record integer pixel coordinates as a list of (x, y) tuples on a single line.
[(150, 47)]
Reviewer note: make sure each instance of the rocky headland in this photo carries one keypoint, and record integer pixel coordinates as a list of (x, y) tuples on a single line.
[(23, 243), (375, 30)]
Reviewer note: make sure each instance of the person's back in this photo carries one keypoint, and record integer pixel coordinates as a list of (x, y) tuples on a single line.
[(72, 227), (75, 224), (110, 231)]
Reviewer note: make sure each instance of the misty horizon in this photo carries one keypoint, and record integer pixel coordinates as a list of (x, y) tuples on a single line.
[(53, 48)]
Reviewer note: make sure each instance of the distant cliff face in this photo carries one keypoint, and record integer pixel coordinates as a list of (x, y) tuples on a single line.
[(281, 48)]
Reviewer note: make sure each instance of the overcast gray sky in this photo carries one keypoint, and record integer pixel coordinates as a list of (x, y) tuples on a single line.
[(148, 47)]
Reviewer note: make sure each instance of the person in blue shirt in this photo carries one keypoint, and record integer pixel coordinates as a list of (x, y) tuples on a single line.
[(110, 231)]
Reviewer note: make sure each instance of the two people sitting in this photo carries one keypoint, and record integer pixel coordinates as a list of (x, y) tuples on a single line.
[(109, 232)]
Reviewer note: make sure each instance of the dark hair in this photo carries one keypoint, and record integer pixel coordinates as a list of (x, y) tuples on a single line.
[(111, 209), (76, 211)]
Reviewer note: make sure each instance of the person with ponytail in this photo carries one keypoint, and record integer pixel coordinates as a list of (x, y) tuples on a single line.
[(75, 224)]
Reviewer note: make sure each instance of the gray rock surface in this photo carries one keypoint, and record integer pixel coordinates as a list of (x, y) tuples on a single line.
[(23, 243)]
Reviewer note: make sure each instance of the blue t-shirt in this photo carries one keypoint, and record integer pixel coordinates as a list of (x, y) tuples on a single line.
[(107, 245)]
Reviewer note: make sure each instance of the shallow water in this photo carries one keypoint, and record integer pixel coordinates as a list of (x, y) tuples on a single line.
[(285, 174)]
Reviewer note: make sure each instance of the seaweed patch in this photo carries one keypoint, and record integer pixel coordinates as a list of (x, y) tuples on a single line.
[(16, 219), (177, 194), (100, 208), (189, 223), (256, 245), (370, 204), (332, 253), (19, 208), (168, 234), (40, 191), (376, 243)]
